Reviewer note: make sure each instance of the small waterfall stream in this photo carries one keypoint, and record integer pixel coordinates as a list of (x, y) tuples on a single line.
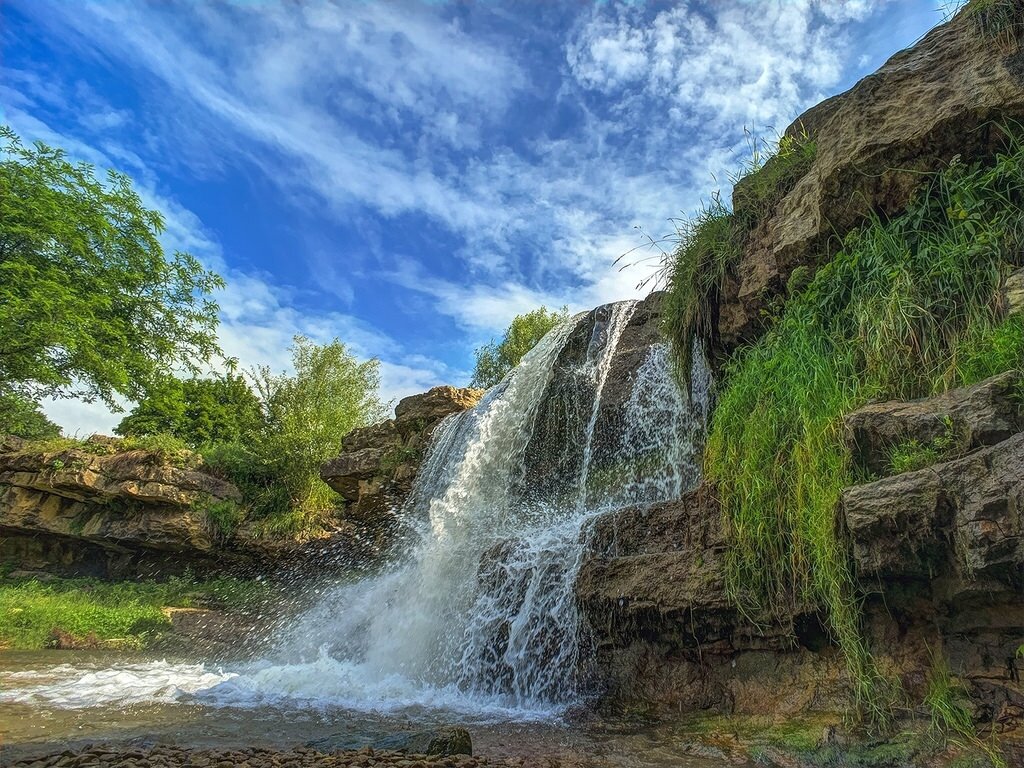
[(479, 615)]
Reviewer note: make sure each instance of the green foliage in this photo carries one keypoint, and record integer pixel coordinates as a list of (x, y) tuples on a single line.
[(709, 243), (912, 455), (21, 417), (168, 448), (89, 304), (886, 318), (198, 411), (304, 417), (224, 516), (120, 614), (949, 705), (706, 245), (947, 701), (494, 360)]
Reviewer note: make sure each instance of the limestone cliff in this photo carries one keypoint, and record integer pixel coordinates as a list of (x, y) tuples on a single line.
[(944, 98), (101, 511), (938, 552)]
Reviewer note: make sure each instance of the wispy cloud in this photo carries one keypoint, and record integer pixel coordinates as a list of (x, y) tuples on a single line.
[(481, 158)]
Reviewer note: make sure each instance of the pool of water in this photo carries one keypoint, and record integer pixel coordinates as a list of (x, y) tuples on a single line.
[(52, 699)]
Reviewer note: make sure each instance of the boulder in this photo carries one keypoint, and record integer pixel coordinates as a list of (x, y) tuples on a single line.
[(944, 98), (443, 742), (438, 742)]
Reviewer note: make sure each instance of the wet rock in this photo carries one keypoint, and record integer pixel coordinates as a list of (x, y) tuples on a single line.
[(377, 466), (444, 742)]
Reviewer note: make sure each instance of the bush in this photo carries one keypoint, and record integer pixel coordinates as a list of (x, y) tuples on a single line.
[(305, 416)]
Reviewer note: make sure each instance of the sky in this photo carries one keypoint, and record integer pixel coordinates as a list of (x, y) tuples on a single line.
[(409, 176)]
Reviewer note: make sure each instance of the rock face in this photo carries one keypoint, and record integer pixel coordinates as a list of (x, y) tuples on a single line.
[(78, 512), (378, 464), (940, 99), (939, 554), (970, 418)]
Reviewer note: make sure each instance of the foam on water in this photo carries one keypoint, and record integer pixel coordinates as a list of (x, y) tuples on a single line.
[(478, 615)]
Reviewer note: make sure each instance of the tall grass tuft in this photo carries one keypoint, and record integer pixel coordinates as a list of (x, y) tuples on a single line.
[(909, 307), (705, 246)]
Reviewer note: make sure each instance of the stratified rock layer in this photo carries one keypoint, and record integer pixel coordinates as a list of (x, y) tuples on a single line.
[(938, 552), (78, 512), (378, 463)]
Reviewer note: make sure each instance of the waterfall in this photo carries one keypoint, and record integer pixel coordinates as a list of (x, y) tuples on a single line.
[(482, 609), (478, 613)]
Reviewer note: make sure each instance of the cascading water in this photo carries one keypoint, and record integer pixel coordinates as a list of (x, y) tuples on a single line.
[(479, 613)]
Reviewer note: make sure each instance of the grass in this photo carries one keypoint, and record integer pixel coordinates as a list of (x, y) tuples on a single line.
[(999, 20), (912, 455), (770, 173), (168, 448), (949, 705), (36, 614), (908, 308), (708, 244)]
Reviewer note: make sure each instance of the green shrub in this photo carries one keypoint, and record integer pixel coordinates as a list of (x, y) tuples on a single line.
[(887, 318)]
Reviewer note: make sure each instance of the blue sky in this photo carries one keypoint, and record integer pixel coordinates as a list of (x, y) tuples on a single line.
[(408, 176)]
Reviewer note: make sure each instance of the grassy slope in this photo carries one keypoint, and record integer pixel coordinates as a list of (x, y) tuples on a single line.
[(110, 614)]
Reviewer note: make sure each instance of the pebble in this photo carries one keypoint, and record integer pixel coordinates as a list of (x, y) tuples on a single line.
[(256, 757)]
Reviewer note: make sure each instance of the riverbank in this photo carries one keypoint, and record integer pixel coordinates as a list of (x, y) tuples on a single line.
[(39, 612)]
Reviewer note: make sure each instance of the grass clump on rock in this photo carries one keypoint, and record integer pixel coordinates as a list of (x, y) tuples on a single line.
[(909, 307)]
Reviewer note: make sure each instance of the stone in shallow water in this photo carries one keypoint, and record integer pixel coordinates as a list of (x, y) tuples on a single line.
[(443, 742)]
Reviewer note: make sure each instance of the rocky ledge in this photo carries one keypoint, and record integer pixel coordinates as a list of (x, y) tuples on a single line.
[(377, 466), (944, 98), (938, 552), (102, 511)]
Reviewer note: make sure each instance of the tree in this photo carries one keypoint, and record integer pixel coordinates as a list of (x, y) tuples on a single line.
[(89, 304), (199, 411), (494, 360), (22, 417), (305, 415)]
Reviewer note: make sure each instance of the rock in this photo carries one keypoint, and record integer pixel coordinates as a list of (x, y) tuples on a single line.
[(378, 464), (444, 742), (1013, 292), (943, 98), (113, 514), (939, 555), (980, 415), (435, 404)]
